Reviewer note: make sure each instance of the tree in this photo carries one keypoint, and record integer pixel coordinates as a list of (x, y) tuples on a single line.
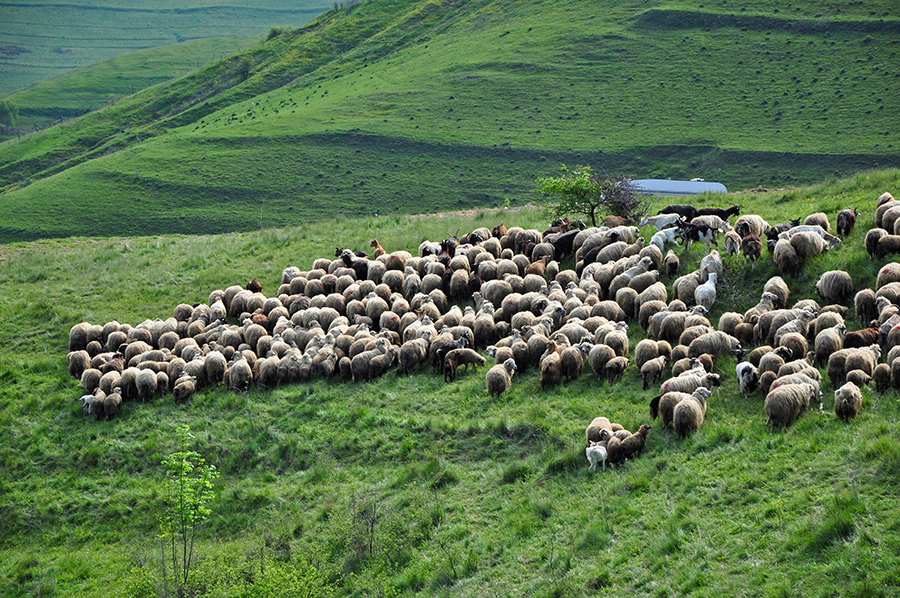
[(9, 114), (189, 487), (582, 192)]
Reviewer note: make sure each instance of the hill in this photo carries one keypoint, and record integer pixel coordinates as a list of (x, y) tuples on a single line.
[(409, 486), (54, 100), (40, 40), (407, 107)]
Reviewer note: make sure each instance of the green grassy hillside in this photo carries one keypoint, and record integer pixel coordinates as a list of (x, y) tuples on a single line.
[(39, 41), (473, 496), (93, 87), (406, 107)]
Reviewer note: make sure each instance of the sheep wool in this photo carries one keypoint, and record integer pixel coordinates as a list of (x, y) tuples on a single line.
[(847, 401), (499, 378)]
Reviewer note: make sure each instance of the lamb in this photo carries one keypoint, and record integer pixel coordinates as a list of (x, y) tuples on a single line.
[(688, 415), (858, 377), (847, 401), (882, 377), (835, 286), (786, 403), (596, 453), (846, 220), (499, 378), (705, 294), (633, 445), (652, 369)]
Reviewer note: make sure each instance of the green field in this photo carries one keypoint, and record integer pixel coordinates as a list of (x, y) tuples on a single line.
[(39, 41), (476, 497), (407, 107)]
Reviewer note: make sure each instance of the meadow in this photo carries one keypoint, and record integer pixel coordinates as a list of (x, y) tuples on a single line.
[(406, 107), (406, 485)]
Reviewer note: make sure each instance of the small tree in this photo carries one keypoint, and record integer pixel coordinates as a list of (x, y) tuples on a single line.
[(582, 192), (189, 487), (9, 114)]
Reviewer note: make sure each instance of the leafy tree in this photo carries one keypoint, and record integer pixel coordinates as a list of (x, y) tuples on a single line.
[(189, 487), (582, 192), (9, 114)]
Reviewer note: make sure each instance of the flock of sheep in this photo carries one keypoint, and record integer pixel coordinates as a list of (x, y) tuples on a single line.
[(358, 316)]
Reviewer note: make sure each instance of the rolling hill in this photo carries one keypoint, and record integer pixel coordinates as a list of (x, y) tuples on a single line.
[(40, 40), (407, 107)]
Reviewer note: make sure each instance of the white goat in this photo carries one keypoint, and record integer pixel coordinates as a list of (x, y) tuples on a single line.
[(661, 221), (596, 453), (669, 235)]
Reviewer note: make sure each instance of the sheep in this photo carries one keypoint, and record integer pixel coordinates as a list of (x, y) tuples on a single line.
[(705, 294), (239, 373), (828, 341), (645, 350), (499, 378), (673, 264), (786, 258), (862, 338), (715, 343), (835, 286), (864, 359), (145, 384), (573, 359), (882, 377), (652, 369), (615, 367), (596, 453), (858, 377), (665, 407), (887, 245), (184, 388), (871, 240), (751, 223), (465, 356), (595, 429), (632, 445), (413, 353), (819, 219), (78, 362), (689, 383), (786, 403), (598, 357), (661, 221), (847, 401), (688, 414)]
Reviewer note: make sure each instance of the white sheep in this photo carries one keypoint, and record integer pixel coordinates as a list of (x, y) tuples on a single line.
[(705, 294)]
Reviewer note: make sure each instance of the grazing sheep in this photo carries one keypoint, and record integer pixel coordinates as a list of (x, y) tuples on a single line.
[(78, 361), (688, 415), (465, 357), (573, 359), (184, 388), (145, 384), (863, 338), (633, 444), (887, 245), (715, 343), (652, 370), (871, 241), (593, 432), (786, 258), (835, 286), (689, 383), (786, 403), (614, 368), (499, 378), (598, 357), (882, 377), (673, 264), (847, 401), (819, 219), (858, 377), (732, 243), (751, 223), (239, 373), (828, 341), (596, 453)]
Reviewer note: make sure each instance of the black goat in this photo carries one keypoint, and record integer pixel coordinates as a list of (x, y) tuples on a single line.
[(846, 220), (774, 231), (360, 265), (687, 211), (723, 213)]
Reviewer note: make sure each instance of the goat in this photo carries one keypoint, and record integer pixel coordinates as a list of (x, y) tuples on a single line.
[(723, 213), (379, 250), (686, 211), (693, 233), (751, 247)]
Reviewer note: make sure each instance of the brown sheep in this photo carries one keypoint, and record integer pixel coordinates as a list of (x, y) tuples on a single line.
[(634, 444)]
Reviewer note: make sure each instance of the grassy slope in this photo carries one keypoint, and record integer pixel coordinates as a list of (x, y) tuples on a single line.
[(478, 497), (93, 87), (471, 101), (42, 40)]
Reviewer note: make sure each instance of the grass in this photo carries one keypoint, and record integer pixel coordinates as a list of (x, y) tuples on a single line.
[(471, 496), (407, 107), (40, 41)]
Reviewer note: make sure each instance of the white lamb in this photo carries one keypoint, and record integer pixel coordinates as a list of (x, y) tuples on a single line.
[(596, 453), (668, 235)]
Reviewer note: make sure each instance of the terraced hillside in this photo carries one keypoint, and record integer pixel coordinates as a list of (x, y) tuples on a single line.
[(406, 107)]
